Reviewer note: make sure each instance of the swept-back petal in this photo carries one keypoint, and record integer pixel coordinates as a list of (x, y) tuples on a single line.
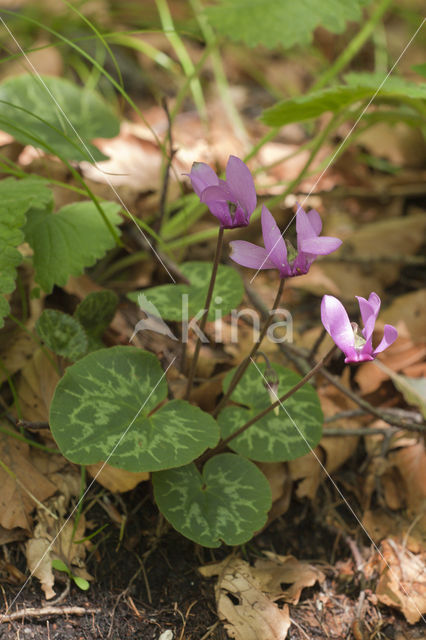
[(336, 323), (318, 246), (202, 176), (304, 228), (273, 240), (369, 311), (315, 221), (250, 255), (389, 337), (240, 182)]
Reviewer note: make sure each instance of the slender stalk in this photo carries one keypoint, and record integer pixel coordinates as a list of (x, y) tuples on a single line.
[(278, 403), (241, 369), (219, 71), (181, 52), (353, 47), (206, 312)]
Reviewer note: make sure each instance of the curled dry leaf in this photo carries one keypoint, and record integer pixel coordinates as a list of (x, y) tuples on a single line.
[(22, 486), (402, 582), (401, 476), (255, 616), (54, 538), (116, 480), (281, 483), (401, 356), (38, 380), (382, 523), (40, 564), (275, 570)]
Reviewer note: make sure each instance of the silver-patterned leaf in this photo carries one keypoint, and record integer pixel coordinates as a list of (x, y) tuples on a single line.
[(228, 502), (288, 434), (62, 333), (102, 408)]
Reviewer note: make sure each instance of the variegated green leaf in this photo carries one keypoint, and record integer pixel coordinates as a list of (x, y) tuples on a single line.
[(228, 502), (102, 408), (62, 334), (183, 301), (288, 434), (96, 311)]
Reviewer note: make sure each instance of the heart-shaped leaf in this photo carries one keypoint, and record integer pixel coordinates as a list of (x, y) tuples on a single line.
[(291, 434), (228, 502), (102, 408), (184, 301), (62, 334), (96, 311)]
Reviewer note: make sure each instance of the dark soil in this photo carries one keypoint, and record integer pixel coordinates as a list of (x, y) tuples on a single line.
[(148, 583)]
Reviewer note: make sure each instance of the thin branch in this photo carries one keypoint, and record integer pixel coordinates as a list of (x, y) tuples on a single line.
[(32, 612)]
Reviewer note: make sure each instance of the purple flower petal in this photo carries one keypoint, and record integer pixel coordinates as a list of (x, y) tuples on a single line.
[(250, 255), (216, 193), (202, 176), (336, 323), (304, 228), (318, 246), (273, 240), (369, 311), (240, 182), (315, 221), (389, 337)]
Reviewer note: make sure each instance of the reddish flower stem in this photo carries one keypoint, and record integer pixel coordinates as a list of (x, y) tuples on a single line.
[(224, 443), (245, 363)]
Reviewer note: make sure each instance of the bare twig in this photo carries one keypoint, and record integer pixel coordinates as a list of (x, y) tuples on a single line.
[(32, 612)]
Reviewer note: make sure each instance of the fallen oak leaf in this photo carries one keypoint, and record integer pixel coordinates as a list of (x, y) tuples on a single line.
[(22, 485), (254, 616), (275, 570), (402, 582)]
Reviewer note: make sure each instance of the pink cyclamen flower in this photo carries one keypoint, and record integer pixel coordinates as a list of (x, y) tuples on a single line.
[(233, 200), (355, 343), (279, 254)]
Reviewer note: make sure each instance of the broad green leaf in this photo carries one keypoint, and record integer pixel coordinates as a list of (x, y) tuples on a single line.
[(102, 408), (360, 86), (16, 198), (96, 311), (29, 107), (184, 301), (281, 22), (67, 242), (63, 334), (291, 434), (228, 502)]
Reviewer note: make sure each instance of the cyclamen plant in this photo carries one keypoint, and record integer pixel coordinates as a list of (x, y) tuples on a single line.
[(112, 404)]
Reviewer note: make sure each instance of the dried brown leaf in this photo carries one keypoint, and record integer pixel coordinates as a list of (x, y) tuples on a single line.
[(17, 494), (116, 480), (402, 582), (255, 617)]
